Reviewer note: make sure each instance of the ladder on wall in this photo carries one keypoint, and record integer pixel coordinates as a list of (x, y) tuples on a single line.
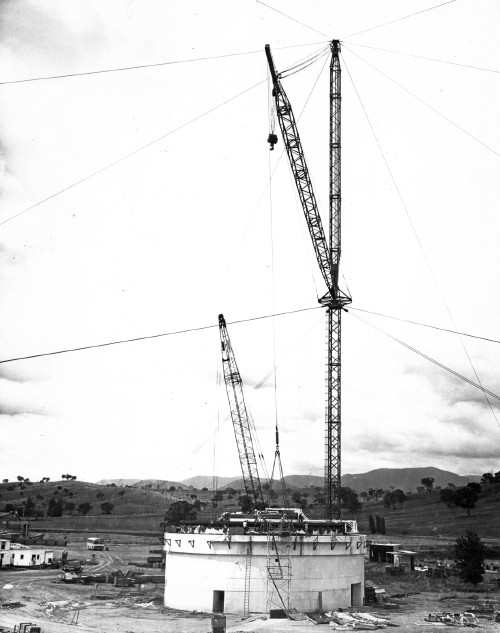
[(246, 596), (279, 572)]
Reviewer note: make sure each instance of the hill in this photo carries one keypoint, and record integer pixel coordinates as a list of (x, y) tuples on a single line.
[(117, 482), (424, 515), (405, 478), (206, 481)]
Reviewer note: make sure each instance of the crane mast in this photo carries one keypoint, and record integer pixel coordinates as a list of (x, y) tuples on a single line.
[(240, 418), (327, 256)]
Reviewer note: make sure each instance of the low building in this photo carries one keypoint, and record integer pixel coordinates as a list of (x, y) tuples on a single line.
[(379, 551), (17, 555)]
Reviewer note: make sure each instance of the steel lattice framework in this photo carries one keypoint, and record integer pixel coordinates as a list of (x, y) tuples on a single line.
[(328, 257), (240, 418)]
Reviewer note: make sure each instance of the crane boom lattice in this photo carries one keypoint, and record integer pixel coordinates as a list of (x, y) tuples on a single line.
[(327, 256), (240, 419)]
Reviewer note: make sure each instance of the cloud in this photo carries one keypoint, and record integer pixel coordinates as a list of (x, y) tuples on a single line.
[(41, 30), (13, 409), (453, 390), (11, 374), (377, 443), (465, 450)]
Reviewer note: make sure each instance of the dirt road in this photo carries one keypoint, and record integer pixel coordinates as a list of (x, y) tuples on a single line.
[(60, 608)]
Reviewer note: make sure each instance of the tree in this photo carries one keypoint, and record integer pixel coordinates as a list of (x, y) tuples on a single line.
[(372, 524), (466, 498), (179, 511), (487, 478), (29, 507), (349, 499), (70, 506), (296, 496), (121, 493), (380, 524), (399, 497), (470, 552), (5, 481), (20, 478), (388, 500), (172, 489), (427, 483), (447, 495), (395, 497), (100, 495), (473, 485), (107, 507), (55, 508), (246, 504), (84, 508)]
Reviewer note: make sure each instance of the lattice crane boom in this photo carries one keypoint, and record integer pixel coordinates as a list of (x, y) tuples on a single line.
[(240, 418), (300, 172), (327, 255)]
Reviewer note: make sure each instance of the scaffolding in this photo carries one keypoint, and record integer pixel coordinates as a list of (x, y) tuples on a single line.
[(279, 571)]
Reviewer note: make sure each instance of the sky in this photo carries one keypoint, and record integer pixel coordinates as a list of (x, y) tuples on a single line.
[(146, 201)]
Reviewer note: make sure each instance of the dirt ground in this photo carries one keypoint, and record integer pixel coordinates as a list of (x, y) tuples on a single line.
[(60, 608)]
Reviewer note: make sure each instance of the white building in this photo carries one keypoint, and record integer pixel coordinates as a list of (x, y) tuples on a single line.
[(17, 555), (253, 573)]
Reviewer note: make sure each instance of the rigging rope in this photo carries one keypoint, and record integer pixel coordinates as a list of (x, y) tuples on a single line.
[(427, 261), (432, 360)]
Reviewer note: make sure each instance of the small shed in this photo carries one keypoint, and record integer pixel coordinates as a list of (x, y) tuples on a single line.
[(379, 551)]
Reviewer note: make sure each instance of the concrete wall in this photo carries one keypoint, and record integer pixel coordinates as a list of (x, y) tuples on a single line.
[(326, 571)]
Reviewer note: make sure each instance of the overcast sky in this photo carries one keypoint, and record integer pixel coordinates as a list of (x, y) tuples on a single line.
[(187, 228)]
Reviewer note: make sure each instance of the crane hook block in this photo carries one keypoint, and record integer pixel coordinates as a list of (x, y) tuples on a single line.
[(272, 139)]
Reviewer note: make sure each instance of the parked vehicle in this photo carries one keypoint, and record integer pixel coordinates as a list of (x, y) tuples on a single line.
[(95, 543)]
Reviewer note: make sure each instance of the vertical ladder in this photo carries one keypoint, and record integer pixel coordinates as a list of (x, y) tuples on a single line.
[(246, 596)]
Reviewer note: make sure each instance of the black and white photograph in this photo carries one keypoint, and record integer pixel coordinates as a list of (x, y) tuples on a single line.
[(249, 315)]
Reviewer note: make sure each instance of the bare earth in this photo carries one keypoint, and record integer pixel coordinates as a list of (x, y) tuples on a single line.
[(54, 605)]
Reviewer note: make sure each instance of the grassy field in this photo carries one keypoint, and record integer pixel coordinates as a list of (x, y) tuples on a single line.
[(425, 515), (141, 510)]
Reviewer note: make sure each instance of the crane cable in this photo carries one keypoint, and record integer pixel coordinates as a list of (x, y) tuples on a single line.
[(215, 471), (277, 454), (477, 385), (407, 212)]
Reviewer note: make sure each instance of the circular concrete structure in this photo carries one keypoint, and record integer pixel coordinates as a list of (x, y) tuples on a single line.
[(253, 573)]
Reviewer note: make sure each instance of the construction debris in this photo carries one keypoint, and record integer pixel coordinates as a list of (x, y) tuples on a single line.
[(453, 619), (116, 578)]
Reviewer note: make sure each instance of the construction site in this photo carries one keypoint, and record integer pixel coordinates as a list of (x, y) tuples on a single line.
[(116, 590), (273, 559)]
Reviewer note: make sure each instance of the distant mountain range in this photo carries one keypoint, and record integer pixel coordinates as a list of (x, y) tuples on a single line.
[(405, 478), (158, 484)]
